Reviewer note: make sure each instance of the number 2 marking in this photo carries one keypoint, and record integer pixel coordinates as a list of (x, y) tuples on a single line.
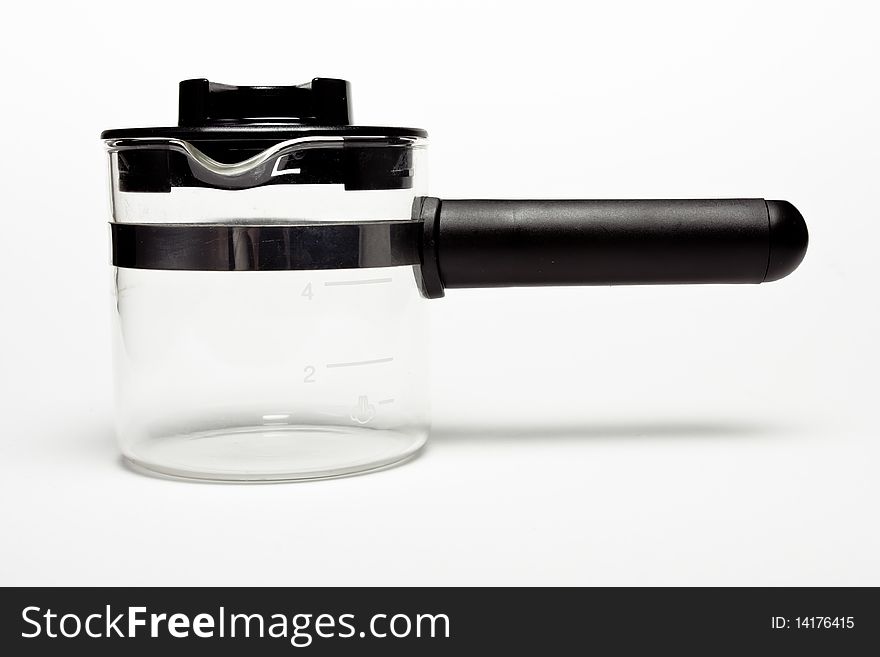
[(310, 374)]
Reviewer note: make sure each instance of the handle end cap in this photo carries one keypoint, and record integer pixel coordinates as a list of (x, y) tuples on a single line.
[(788, 240)]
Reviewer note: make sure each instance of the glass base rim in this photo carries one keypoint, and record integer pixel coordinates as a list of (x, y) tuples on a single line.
[(203, 472)]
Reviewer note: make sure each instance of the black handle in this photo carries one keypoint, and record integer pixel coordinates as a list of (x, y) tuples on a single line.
[(482, 243)]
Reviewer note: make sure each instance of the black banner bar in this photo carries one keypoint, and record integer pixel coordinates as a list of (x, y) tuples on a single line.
[(444, 621)]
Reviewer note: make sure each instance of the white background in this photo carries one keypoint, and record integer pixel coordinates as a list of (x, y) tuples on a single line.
[(679, 435)]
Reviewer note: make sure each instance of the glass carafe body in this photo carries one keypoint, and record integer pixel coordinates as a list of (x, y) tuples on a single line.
[(264, 374)]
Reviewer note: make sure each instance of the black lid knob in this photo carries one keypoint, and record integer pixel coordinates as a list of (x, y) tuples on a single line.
[(323, 101)]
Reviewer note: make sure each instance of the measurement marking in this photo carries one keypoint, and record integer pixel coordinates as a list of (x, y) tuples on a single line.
[(355, 363), (364, 281), (386, 401)]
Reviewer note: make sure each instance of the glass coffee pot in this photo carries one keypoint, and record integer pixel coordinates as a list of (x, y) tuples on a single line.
[(273, 264)]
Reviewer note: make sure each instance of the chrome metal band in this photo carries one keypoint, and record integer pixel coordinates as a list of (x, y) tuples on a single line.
[(213, 247)]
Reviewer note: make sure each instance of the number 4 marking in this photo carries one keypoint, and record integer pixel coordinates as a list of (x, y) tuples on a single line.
[(307, 292)]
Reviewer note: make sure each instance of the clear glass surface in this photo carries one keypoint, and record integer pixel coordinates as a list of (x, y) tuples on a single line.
[(268, 375)]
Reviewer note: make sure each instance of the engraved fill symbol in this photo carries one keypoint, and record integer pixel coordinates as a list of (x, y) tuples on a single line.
[(364, 411)]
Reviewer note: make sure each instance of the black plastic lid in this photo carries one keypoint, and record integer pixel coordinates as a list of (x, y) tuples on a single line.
[(323, 101), (214, 111), (231, 124)]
